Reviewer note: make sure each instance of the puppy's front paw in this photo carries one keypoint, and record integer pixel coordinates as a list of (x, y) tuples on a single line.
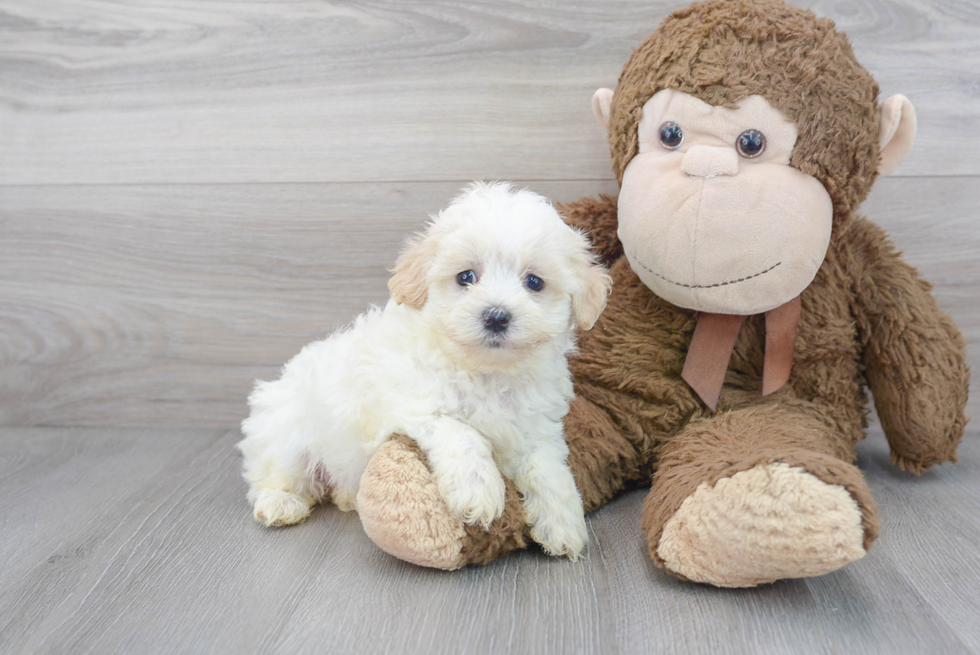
[(275, 507), (561, 532), (473, 490)]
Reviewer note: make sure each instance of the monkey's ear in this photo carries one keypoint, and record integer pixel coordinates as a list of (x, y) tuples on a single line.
[(601, 104), (896, 132), (408, 284)]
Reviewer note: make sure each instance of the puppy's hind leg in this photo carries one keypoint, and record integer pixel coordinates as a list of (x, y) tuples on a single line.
[(280, 494), (345, 500), (283, 487), (328, 488), (278, 507)]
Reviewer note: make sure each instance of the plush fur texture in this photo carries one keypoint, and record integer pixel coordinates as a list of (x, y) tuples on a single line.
[(430, 536), (412, 521), (677, 207), (767, 509), (723, 52), (476, 397), (868, 321)]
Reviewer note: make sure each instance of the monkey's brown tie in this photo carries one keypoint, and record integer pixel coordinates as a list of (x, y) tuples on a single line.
[(714, 339)]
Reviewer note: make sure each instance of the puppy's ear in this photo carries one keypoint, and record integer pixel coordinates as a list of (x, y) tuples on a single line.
[(407, 285), (592, 288)]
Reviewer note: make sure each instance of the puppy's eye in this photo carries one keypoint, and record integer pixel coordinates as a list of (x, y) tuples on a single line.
[(534, 283), (466, 278)]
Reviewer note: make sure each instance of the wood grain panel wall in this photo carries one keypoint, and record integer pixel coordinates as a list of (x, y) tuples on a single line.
[(192, 189), (102, 91)]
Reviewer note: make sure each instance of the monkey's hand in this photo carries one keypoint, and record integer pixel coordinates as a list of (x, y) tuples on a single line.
[(596, 217), (914, 354)]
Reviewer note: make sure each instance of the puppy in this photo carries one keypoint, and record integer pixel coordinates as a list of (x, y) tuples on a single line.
[(468, 358)]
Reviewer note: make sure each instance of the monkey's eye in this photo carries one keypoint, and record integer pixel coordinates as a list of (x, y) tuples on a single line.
[(671, 135), (466, 278), (534, 283), (750, 143)]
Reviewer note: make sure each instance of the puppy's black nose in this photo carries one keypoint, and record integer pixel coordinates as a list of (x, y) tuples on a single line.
[(496, 319)]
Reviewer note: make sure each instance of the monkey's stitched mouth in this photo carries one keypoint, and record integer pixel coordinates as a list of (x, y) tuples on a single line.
[(705, 286)]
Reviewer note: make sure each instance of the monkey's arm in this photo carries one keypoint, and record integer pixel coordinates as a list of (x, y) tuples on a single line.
[(914, 354), (597, 218)]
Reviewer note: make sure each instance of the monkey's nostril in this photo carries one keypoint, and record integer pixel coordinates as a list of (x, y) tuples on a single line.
[(496, 319)]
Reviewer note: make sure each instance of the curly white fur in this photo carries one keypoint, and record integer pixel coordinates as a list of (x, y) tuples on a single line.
[(478, 402)]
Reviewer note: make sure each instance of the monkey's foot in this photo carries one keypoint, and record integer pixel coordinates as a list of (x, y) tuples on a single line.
[(770, 522), (402, 512)]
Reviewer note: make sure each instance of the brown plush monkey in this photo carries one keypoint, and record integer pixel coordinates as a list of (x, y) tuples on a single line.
[(744, 134)]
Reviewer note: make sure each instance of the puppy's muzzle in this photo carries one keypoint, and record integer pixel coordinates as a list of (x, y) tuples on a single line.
[(496, 320)]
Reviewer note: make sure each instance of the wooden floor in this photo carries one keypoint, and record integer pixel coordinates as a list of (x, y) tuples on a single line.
[(134, 540), (190, 190)]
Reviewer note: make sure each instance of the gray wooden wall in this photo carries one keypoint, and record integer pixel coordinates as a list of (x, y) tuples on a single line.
[(190, 190)]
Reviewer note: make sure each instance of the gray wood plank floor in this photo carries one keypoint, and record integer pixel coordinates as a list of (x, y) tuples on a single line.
[(154, 550)]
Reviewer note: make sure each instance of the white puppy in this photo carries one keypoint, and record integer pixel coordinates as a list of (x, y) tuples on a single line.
[(468, 358)]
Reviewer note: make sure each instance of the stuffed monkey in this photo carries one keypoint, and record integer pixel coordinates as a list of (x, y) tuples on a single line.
[(750, 311)]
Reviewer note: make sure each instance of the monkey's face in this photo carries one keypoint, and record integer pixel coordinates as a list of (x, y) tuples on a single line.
[(711, 215)]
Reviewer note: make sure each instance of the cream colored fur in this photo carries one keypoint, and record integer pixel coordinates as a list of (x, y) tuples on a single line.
[(765, 524), (478, 403)]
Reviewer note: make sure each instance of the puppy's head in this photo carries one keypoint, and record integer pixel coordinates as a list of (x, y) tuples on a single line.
[(499, 273)]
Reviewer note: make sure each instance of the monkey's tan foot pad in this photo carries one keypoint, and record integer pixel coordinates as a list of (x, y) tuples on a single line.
[(768, 523), (402, 512)]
